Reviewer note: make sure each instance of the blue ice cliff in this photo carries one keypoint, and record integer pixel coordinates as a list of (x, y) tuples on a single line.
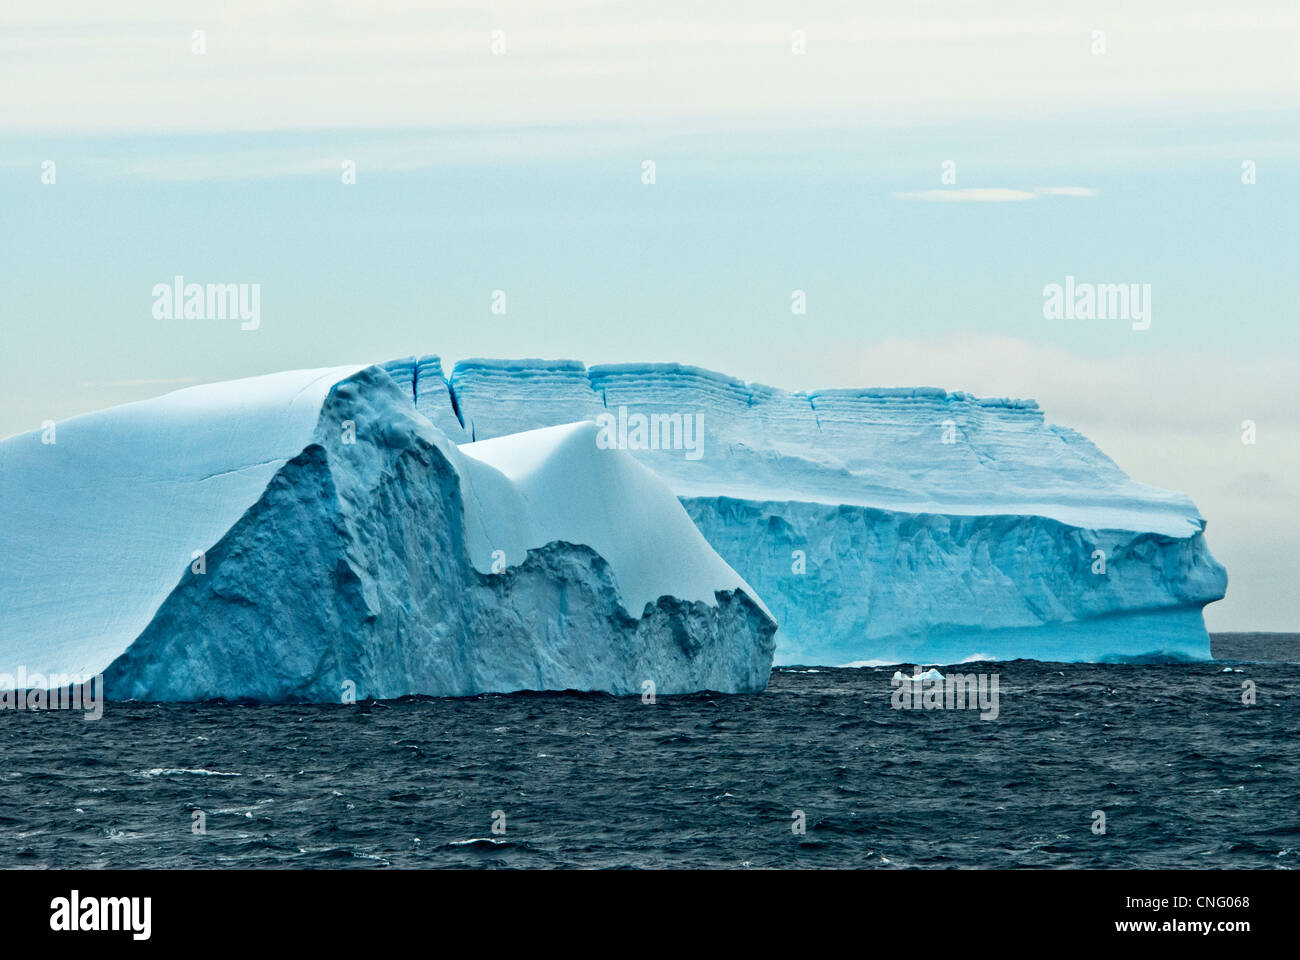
[(311, 535), (887, 525)]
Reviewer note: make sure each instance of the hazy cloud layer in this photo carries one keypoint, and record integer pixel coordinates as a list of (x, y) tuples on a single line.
[(81, 65)]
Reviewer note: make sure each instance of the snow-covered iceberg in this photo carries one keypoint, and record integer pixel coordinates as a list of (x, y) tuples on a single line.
[(313, 534), (889, 525)]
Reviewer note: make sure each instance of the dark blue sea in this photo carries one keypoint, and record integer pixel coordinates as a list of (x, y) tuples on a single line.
[(1185, 773)]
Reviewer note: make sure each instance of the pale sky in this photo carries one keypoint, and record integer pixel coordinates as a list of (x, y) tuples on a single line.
[(387, 63)]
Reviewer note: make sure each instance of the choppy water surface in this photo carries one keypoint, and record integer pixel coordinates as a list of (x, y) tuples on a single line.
[(1186, 774)]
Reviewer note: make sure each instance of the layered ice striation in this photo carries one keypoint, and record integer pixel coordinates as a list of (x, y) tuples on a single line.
[(423, 380), (314, 534), (890, 525)]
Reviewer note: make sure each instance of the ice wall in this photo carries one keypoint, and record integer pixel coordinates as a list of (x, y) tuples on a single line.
[(895, 524)]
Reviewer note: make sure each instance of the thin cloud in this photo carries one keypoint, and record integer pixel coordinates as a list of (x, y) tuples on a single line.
[(1066, 191)]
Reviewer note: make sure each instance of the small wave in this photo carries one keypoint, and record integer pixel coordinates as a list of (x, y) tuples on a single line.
[(172, 771)]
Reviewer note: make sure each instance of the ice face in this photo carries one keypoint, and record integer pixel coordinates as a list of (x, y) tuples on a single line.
[(893, 524), (100, 523), (891, 587), (313, 536)]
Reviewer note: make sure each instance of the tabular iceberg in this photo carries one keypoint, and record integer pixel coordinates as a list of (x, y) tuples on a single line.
[(890, 525), (311, 534)]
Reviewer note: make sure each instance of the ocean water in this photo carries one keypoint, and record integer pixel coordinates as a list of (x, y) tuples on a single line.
[(1186, 774), (1257, 647)]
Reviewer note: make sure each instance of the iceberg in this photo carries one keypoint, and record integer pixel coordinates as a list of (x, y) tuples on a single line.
[(930, 676), (887, 525), (316, 535)]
